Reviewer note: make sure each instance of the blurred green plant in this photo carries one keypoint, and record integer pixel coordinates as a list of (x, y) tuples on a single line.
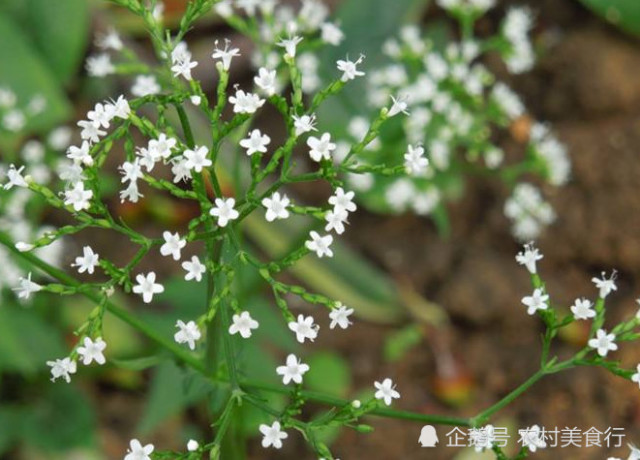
[(624, 14)]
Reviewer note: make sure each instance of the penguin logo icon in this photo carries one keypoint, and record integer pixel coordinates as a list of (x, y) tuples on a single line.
[(428, 436)]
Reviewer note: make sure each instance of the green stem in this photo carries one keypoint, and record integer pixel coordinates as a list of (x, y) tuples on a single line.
[(484, 416)]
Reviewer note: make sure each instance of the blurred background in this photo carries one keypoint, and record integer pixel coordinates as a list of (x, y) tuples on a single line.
[(480, 344)]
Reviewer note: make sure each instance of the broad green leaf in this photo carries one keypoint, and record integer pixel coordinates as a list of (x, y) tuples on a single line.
[(59, 31), (172, 390), (624, 14), (61, 419), (24, 72), (27, 341), (329, 373)]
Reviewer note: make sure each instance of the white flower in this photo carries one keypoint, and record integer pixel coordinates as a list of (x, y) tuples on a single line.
[(101, 115), (603, 342), (343, 200), (276, 207), (266, 80), (90, 131), (197, 159), (188, 333), (246, 102), (80, 154), (147, 286), (87, 262), (145, 85), (121, 108), (139, 452), (636, 377), (340, 316), (226, 54), (131, 193), (634, 454), (183, 68), (537, 301), (532, 438), (110, 40), (331, 34), (99, 65), (320, 244), (289, 44), (304, 124), (320, 148), (243, 324), (192, 445), (78, 197), (172, 246), (62, 368), (255, 142), (304, 328), (482, 438), (294, 369), (529, 257), (92, 351), (386, 391), (195, 269), (272, 435), (399, 105), (24, 247), (224, 210), (15, 178), (336, 219), (349, 69), (162, 146), (581, 309), (606, 285), (414, 160)]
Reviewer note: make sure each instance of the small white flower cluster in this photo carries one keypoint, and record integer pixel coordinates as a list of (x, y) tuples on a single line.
[(14, 118), (582, 309), (528, 211), (454, 104), (516, 27)]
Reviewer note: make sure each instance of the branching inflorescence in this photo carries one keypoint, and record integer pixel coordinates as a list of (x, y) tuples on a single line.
[(178, 160)]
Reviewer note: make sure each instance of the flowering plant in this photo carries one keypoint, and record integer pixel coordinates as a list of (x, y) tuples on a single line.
[(176, 160), (458, 108)]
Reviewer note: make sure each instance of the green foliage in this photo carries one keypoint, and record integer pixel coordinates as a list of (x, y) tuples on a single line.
[(172, 390), (58, 418), (329, 374), (368, 23), (400, 342), (59, 31), (41, 43), (26, 340), (624, 14)]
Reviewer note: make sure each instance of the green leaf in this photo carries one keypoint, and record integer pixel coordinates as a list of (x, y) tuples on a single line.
[(329, 373), (63, 418), (172, 390), (26, 74), (139, 364), (26, 341), (400, 342), (624, 14), (59, 31)]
